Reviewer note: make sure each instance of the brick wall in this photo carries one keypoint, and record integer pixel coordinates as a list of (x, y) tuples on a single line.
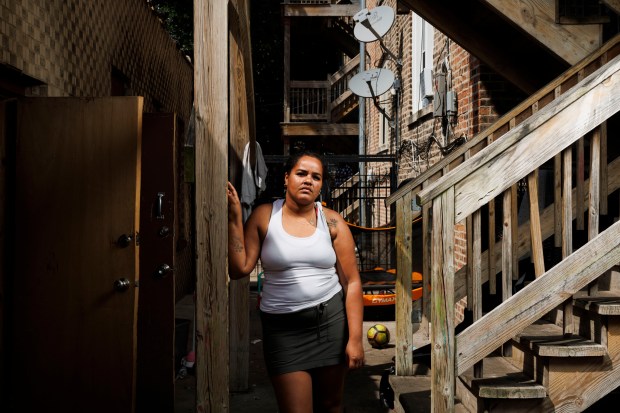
[(482, 96), (73, 47)]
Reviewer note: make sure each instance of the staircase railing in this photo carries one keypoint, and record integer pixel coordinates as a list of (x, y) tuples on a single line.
[(550, 133), (322, 100), (405, 195)]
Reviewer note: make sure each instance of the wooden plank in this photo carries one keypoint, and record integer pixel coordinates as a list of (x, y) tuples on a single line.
[(593, 380), (539, 297), (404, 265), (614, 5), (604, 209), (503, 381), (491, 250), (557, 200), (604, 305), (535, 231), (320, 10), (426, 272), (487, 134), (442, 315), (595, 183), (242, 132), (507, 241), (514, 228), (476, 276), (580, 176), (537, 17), (567, 227), (532, 143), (594, 192), (211, 106), (548, 340), (547, 223), (324, 129)]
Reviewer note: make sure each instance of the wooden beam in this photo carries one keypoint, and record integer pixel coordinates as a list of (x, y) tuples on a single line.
[(535, 231), (537, 18), (211, 108), (547, 229), (442, 303), (320, 129), (504, 47), (404, 264), (529, 145), (242, 132), (320, 10), (614, 5)]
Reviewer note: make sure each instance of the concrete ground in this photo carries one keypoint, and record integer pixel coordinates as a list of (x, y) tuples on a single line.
[(361, 389)]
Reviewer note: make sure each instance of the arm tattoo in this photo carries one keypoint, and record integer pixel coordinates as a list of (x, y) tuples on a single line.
[(332, 223), (237, 245)]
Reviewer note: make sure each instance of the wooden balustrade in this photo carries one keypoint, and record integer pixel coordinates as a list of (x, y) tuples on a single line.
[(548, 134), (322, 100), (520, 114)]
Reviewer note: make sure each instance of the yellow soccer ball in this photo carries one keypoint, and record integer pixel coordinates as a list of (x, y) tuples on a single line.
[(378, 336)]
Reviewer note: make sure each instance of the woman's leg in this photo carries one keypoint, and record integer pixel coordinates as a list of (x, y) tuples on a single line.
[(293, 392), (328, 385)]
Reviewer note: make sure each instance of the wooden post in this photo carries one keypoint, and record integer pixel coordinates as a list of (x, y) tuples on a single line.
[(535, 230), (567, 227), (426, 270), (491, 250), (442, 314), (507, 251), (594, 194), (404, 253), (476, 297), (211, 107), (242, 132)]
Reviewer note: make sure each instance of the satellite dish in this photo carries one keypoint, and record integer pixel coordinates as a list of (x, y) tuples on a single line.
[(371, 83), (373, 24)]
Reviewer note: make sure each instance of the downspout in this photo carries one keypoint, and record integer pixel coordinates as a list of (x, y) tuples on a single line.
[(362, 136)]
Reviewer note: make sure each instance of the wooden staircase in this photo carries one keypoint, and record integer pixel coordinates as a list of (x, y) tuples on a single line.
[(554, 345)]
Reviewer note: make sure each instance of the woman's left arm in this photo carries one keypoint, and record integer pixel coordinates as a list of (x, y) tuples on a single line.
[(346, 265)]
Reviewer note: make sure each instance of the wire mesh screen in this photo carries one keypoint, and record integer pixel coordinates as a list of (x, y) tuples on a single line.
[(360, 199)]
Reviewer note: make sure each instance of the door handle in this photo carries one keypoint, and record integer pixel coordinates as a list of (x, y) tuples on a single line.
[(159, 206), (122, 284)]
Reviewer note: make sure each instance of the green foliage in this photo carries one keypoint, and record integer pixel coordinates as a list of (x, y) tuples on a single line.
[(178, 18)]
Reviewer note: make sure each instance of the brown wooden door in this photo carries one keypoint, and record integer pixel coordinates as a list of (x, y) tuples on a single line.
[(156, 369), (77, 185)]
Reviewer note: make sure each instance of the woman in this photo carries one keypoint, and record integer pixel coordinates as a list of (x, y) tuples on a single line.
[(311, 305)]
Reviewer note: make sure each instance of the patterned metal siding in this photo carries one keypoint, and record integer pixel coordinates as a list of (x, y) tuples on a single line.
[(72, 46)]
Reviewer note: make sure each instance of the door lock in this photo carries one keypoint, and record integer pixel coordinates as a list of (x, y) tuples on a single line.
[(163, 270), (122, 284), (124, 240)]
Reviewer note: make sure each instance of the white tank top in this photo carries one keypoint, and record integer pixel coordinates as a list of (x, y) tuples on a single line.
[(300, 272)]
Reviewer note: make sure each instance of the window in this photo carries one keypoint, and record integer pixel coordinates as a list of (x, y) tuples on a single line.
[(422, 63)]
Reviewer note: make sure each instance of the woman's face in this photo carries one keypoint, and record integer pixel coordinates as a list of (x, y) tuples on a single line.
[(304, 181)]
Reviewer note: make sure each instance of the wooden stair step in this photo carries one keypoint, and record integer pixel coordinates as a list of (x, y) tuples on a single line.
[(502, 380), (603, 303), (546, 339)]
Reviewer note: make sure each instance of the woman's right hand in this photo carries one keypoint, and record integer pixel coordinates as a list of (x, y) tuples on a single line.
[(234, 204)]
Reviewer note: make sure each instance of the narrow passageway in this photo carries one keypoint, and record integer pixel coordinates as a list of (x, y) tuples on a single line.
[(362, 386)]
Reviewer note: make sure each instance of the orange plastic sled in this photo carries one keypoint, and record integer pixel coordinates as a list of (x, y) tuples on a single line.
[(379, 285)]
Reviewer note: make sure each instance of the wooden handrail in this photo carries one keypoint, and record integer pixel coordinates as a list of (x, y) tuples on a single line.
[(539, 297), (543, 97), (547, 134), (526, 147)]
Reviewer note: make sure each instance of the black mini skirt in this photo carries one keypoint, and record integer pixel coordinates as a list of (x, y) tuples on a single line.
[(306, 339)]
